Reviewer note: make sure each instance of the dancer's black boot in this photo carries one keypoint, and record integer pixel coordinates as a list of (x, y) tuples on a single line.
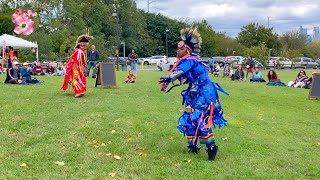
[(193, 149), (212, 152)]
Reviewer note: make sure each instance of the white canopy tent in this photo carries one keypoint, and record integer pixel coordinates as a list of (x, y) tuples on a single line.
[(16, 43)]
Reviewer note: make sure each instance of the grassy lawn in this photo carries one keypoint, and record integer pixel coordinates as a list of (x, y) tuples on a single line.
[(45, 133)]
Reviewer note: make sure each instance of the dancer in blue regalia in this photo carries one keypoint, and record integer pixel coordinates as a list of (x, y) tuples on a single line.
[(202, 104)]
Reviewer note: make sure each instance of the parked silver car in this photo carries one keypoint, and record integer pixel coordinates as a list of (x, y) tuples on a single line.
[(305, 62)]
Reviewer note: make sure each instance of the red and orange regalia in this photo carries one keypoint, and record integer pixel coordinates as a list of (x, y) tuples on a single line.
[(75, 71)]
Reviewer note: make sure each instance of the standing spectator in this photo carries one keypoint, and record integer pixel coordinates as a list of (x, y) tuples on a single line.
[(226, 70), (10, 56), (93, 57), (37, 69), (50, 69), (250, 66), (300, 80), (211, 64), (133, 59), (13, 74)]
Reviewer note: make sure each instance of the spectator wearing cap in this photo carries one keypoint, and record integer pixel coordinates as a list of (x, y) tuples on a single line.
[(26, 73), (13, 74)]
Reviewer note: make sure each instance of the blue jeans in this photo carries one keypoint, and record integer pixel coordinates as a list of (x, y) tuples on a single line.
[(91, 64), (134, 67), (9, 64)]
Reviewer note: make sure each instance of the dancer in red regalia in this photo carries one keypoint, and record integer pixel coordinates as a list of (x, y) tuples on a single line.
[(75, 72)]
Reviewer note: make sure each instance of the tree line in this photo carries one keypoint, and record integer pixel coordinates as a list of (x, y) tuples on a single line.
[(60, 22)]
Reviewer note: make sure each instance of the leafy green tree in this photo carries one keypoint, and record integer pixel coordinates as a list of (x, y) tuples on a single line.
[(260, 52), (254, 34), (312, 50), (293, 40), (291, 54)]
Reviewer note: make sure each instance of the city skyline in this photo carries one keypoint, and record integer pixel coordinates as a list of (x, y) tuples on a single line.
[(230, 15)]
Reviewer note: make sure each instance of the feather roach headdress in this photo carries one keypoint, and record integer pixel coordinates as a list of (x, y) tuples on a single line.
[(84, 38), (191, 39)]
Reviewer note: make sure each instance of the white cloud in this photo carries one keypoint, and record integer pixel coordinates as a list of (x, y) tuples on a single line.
[(231, 15)]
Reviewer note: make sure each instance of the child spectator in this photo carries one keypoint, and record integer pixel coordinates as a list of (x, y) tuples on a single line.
[(300, 80), (131, 77), (226, 70), (216, 69)]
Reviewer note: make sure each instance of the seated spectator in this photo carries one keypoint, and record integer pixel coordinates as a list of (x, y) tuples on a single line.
[(131, 77), (309, 82), (273, 79), (50, 70), (37, 69), (13, 74), (238, 75), (226, 70), (300, 80), (60, 70), (257, 76), (1, 68), (26, 73), (216, 69)]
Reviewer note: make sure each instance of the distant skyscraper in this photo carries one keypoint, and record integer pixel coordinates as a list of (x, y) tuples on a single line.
[(316, 35), (303, 31)]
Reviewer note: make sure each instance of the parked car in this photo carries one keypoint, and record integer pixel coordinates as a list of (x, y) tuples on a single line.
[(305, 62), (285, 63), (121, 60), (273, 62), (205, 60), (220, 60), (257, 64), (155, 60), (318, 61), (166, 66), (234, 59)]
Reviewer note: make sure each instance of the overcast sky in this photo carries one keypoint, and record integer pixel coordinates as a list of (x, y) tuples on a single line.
[(230, 15)]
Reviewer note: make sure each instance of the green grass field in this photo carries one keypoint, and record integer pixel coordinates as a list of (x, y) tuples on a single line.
[(45, 133)]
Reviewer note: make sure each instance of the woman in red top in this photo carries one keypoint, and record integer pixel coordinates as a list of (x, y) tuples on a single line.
[(273, 79), (272, 76)]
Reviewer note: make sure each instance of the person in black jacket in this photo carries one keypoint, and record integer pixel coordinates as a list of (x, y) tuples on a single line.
[(13, 75), (93, 57)]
